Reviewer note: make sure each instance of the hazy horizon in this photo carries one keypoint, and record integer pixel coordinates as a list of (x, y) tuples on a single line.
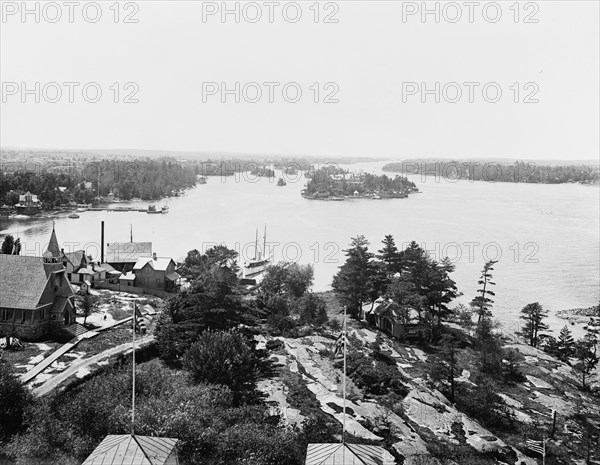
[(363, 65)]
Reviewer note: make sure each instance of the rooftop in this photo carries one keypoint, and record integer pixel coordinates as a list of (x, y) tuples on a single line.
[(128, 252), (23, 280), (126, 449)]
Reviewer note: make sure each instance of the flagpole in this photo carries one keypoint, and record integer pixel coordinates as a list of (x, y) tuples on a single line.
[(344, 381), (544, 455), (133, 373)]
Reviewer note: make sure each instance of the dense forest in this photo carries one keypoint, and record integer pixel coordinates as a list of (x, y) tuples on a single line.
[(499, 172), (145, 179)]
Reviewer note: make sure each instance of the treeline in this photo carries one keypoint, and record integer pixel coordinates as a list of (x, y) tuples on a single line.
[(527, 172), (145, 179)]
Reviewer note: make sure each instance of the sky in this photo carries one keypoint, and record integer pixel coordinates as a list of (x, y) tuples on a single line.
[(346, 78)]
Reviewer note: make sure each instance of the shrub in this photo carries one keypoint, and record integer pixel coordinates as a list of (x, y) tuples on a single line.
[(223, 357)]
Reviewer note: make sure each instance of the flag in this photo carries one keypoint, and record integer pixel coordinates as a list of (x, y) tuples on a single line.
[(536, 446), (339, 343)]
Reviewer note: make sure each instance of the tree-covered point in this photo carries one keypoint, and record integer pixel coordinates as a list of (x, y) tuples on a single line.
[(145, 179), (418, 288), (333, 181), (499, 172)]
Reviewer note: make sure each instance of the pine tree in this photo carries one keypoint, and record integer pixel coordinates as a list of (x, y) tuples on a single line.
[(353, 283), (533, 315), (565, 345), (389, 255), (482, 303)]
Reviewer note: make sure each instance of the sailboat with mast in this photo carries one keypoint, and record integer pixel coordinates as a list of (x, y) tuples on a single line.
[(253, 268)]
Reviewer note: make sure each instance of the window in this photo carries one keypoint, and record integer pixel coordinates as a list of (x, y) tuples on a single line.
[(69, 276)]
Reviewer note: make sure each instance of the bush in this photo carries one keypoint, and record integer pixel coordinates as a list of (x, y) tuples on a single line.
[(13, 399), (274, 344), (223, 357)]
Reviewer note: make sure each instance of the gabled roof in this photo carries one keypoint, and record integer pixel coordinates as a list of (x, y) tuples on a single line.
[(160, 264), (23, 280), (346, 454), (128, 252), (75, 257), (126, 449)]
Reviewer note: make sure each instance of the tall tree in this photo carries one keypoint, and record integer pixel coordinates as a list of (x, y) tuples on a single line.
[(533, 314), (586, 354), (482, 303), (354, 281), (445, 367), (389, 255)]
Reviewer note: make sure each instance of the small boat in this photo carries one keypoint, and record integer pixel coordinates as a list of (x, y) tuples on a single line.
[(152, 209), (281, 182), (164, 209), (335, 198), (73, 215), (376, 197)]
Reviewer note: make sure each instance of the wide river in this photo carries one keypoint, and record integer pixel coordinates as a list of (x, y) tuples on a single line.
[(546, 237)]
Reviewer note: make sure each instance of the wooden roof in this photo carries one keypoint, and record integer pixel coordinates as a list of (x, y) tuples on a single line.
[(343, 454), (23, 280), (126, 449)]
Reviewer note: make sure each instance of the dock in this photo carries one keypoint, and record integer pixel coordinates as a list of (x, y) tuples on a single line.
[(120, 209)]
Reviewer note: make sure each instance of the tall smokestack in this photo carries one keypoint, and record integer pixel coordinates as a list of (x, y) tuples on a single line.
[(102, 242)]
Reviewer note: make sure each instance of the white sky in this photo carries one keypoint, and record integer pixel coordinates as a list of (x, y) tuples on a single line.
[(369, 54)]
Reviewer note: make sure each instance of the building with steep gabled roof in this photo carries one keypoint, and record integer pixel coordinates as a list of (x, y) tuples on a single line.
[(36, 299), (131, 449)]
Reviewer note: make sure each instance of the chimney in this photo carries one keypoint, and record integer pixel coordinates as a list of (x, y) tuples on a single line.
[(102, 242), (154, 255)]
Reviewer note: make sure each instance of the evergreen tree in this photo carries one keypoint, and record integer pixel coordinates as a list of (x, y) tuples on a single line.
[(389, 255), (586, 354), (564, 347), (445, 367), (533, 314), (353, 283), (482, 303)]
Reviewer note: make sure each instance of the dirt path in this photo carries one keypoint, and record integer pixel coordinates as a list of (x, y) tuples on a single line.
[(57, 379)]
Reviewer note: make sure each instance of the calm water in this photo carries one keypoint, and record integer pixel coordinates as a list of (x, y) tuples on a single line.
[(546, 237)]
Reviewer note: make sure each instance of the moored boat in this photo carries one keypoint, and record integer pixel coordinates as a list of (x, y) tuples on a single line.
[(73, 215)]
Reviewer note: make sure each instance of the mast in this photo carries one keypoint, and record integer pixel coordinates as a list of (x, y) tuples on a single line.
[(133, 372), (265, 243), (256, 246), (344, 389)]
